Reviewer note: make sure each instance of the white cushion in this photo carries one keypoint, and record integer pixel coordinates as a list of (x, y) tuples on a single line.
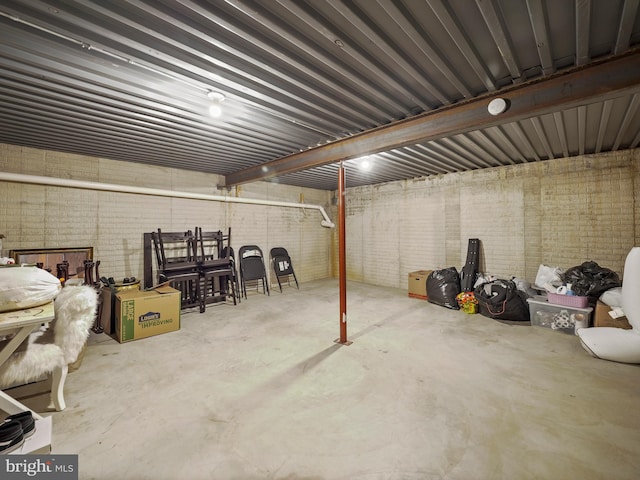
[(609, 343), (612, 297), (26, 287)]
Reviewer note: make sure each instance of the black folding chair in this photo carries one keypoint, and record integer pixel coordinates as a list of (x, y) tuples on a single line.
[(252, 268), (282, 266)]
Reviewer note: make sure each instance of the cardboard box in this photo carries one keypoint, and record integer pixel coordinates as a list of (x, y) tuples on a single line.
[(107, 311), (418, 284), (143, 313), (603, 319)]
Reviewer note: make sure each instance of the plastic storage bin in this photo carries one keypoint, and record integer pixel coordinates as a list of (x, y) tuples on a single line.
[(557, 317), (568, 300)]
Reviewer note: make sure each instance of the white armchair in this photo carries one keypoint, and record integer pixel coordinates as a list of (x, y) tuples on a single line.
[(617, 344), (50, 352)]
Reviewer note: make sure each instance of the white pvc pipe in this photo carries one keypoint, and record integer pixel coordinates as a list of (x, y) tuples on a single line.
[(110, 187)]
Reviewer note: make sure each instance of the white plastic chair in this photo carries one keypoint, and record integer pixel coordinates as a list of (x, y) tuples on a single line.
[(617, 344)]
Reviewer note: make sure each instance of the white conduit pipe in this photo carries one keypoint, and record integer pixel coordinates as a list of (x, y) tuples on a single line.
[(110, 187)]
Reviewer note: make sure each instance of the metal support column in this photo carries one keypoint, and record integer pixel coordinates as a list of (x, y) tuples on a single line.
[(342, 260)]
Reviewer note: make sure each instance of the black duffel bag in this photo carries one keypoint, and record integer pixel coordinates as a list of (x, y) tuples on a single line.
[(443, 286), (501, 300)]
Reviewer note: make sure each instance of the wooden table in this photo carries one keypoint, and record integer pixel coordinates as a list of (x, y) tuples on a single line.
[(20, 323)]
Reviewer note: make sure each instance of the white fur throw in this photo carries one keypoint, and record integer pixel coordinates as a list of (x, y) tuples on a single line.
[(75, 308), (45, 350)]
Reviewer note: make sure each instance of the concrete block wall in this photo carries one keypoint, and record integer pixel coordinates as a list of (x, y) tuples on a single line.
[(559, 212), (297, 230), (36, 216)]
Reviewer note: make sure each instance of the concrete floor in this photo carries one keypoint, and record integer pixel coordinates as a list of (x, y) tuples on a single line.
[(260, 391)]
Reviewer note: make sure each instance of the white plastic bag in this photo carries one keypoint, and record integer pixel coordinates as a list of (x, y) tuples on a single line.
[(547, 274), (524, 286), (26, 287)]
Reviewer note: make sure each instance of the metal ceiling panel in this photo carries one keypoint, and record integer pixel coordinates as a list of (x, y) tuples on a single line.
[(129, 80)]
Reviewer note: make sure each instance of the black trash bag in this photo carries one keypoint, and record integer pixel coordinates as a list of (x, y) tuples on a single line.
[(501, 300), (590, 279), (443, 286)]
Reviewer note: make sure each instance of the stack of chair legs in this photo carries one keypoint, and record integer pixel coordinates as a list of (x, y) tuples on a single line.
[(178, 264), (216, 270), (227, 252), (199, 264), (93, 280)]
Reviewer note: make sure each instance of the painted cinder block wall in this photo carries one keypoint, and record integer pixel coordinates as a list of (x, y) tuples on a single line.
[(559, 212), (34, 216)]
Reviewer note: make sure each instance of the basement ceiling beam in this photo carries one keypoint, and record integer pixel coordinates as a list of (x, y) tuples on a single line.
[(597, 82)]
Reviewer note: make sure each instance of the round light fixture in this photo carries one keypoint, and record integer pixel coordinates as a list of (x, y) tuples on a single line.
[(497, 106), (216, 96), (364, 163), (215, 109)]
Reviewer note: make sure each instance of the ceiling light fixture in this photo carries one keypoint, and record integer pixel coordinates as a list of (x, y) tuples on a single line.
[(364, 163), (498, 106), (215, 109)]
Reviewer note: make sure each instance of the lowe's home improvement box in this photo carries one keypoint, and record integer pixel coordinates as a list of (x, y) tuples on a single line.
[(143, 313)]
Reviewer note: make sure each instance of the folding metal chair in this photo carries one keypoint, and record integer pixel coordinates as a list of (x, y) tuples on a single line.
[(252, 268), (282, 266)]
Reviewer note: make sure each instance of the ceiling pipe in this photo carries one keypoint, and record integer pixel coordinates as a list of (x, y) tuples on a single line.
[(110, 187)]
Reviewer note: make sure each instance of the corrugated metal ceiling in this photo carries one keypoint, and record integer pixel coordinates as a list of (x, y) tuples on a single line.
[(128, 80)]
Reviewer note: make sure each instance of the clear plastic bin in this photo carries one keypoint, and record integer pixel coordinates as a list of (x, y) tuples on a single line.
[(557, 317)]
